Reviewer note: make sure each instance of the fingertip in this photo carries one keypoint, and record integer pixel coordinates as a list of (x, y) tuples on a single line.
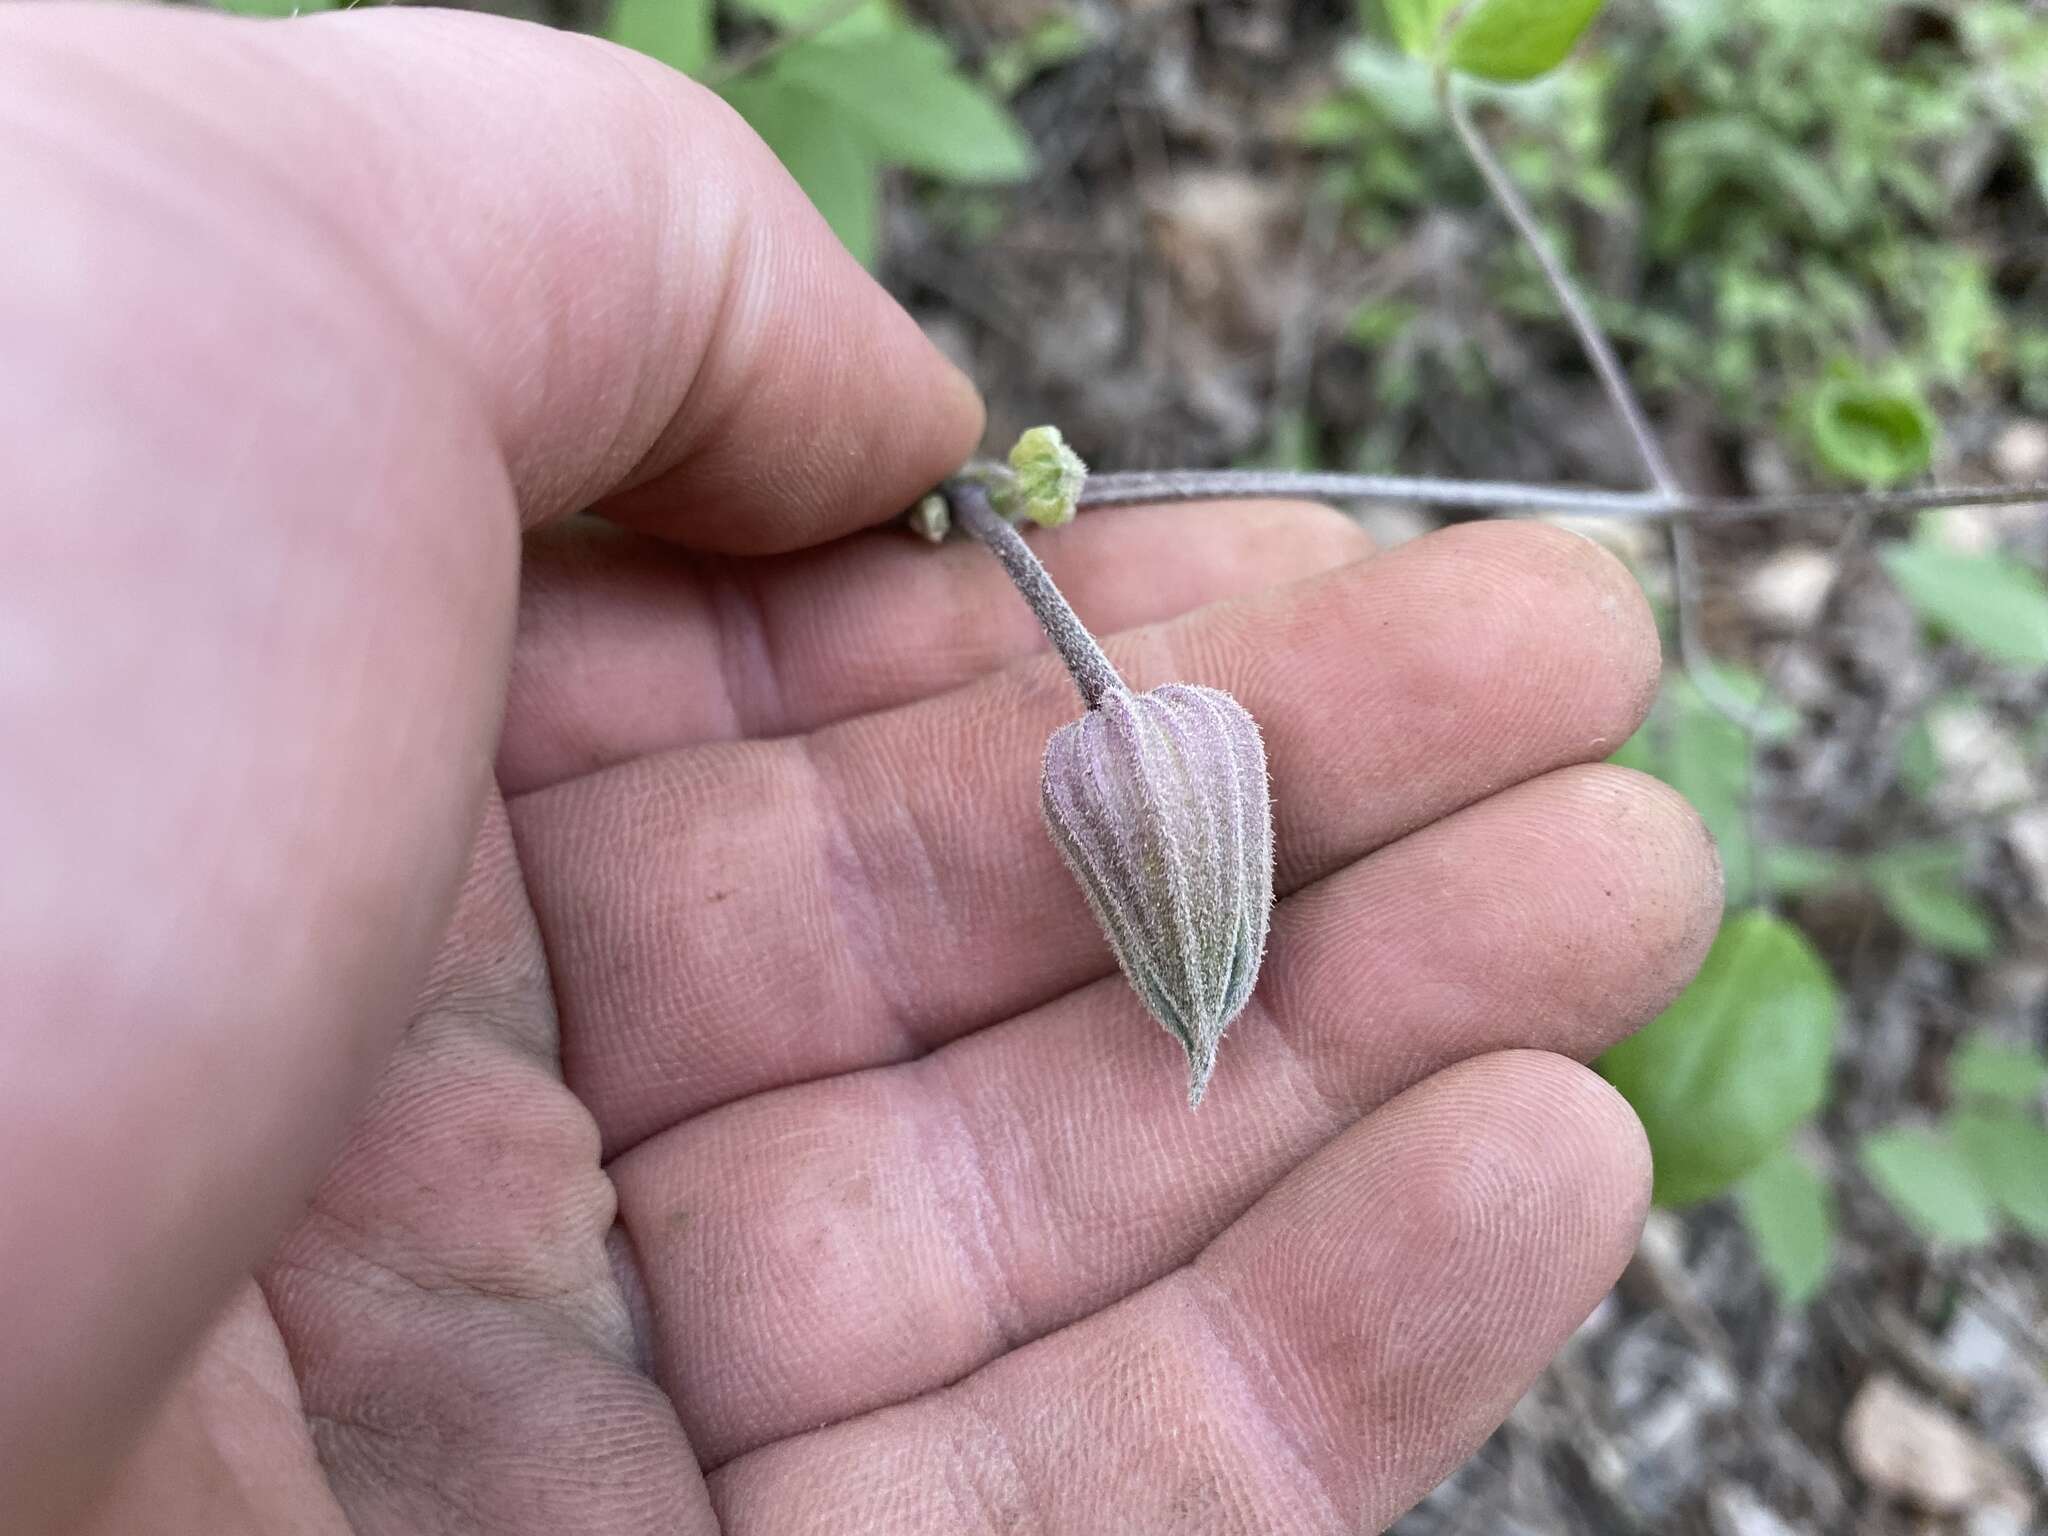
[(1407, 1283), (1520, 1162), (1632, 879), (1579, 1122), (1569, 580), (1629, 1144), (1693, 886), (1574, 1123), (963, 414)]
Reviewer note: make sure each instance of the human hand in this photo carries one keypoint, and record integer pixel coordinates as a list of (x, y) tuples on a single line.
[(772, 1145)]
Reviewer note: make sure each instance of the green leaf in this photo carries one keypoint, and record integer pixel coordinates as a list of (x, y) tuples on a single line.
[(1511, 40), (1869, 434), (1921, 885), (833, 165), (900, 91), (864, 20), (677, 32), (1640, 753), (1994, 1072), (2010, 1157), (1397, 86), (1785, 1205), (1940, 917), (1415, 23), (1723, 1074), (1919, 761), (1052, 40), (1708, 762), (1926, 1176), (1962, 316), (1332, 120), (1774, 718), (1791, 871), (1990, 602)]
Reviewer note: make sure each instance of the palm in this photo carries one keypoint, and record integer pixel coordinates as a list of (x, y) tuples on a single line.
[(775, 1148)]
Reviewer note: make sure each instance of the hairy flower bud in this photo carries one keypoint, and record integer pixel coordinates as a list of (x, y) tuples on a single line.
[(1158, 801), (1045, 481)]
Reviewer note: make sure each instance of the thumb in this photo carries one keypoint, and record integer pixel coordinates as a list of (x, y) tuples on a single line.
[(303, 320)]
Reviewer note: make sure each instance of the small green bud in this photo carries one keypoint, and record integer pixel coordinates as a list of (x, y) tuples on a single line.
[(1048, 479), (930, 520), (1159, 803)]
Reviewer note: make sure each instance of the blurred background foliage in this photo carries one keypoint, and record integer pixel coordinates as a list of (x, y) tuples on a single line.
[(1800, 186)]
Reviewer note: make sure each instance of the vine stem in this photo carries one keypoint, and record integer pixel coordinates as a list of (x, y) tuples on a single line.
[(1093, 672), (1685, 575), (1592, 340), (1130, 488)]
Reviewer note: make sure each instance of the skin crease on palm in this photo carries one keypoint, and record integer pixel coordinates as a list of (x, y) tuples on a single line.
[(766, 1142)]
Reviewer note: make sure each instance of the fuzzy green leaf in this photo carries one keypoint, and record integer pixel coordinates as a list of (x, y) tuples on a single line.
[(835, 168), (2010, 1157), (1785, 1205), (1991, 1071), (1930, 1181), (1990, 602), (677, 32), (1514, 40), (900, 92), (1723, 1074), (1871, 435)]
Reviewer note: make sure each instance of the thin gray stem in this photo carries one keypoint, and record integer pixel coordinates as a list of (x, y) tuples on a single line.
[(1129, 488), (1685, 579), (1093, 673), (1592, 340)]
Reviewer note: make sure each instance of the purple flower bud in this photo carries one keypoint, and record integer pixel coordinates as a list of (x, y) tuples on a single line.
[(1159, 804)]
